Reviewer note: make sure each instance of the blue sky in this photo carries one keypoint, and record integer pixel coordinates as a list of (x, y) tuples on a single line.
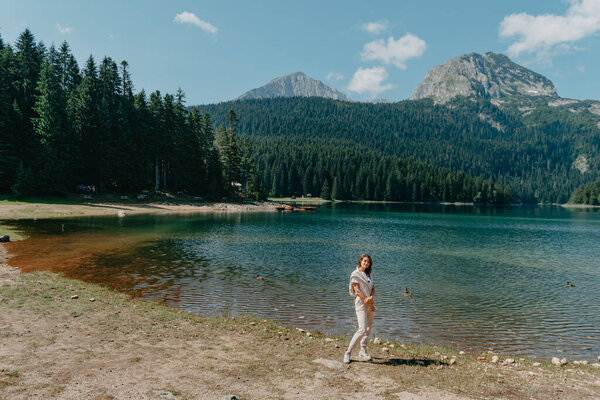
[(217, 50)]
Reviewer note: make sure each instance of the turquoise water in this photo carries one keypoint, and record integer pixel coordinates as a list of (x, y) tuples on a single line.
[(481, 278)]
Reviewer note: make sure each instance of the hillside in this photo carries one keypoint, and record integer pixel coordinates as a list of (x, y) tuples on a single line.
[(543, 154)]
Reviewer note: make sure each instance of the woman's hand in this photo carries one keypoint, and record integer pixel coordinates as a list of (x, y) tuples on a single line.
[(369, 302)]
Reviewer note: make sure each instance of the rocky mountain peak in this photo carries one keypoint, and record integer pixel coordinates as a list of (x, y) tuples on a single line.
[(491, 75), (297, 84)]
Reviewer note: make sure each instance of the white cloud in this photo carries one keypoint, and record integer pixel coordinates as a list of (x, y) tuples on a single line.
[(369, 80), (64, 30), (334, 76), (375, 27), (191, 18), (395, 52), (546, 33)]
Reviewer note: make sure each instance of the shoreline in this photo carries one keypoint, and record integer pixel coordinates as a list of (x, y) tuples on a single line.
[(71, 339), (23, 210)]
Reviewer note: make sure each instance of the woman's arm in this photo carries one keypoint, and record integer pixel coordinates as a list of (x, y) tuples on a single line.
[(367, 300)]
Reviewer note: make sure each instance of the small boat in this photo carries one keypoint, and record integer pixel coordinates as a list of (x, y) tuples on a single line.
[(284, 208)]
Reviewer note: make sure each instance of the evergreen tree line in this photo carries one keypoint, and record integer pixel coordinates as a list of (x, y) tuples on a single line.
[(61, 127), (340, 170), (587, 194), (531, 153)]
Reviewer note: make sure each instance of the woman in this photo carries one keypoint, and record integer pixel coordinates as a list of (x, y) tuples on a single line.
[(363, 290)]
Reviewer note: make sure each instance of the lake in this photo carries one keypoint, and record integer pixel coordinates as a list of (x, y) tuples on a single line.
[(482, 278)]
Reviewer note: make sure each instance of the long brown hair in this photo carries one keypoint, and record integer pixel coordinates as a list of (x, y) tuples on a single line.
[(368, 269)]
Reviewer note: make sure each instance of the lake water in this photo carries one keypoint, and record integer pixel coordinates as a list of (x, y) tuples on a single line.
[(481, 278)]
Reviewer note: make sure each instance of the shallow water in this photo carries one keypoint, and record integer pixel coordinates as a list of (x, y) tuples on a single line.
[(482, 278)]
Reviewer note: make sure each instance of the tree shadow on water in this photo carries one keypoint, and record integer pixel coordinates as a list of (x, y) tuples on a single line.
[(413, 362)]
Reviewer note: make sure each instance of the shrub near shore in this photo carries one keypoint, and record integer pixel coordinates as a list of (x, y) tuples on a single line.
[(56, 345)]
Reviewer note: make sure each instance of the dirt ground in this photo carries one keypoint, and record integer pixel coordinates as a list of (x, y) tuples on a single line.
[(106, 345)]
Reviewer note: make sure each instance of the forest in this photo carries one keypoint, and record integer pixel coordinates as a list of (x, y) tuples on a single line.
[(532, 155), (588, 194), (63, 127)]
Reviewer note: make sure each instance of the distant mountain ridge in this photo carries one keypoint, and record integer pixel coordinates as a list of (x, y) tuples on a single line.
[(297, 84), (489, 76)]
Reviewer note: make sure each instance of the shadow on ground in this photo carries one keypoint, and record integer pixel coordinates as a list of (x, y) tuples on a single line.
[(416, 362)]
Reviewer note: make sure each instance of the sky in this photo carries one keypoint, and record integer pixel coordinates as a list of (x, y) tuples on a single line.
[(217, 50)]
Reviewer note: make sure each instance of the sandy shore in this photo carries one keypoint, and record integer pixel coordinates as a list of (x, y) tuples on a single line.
[(20, 210), (67, 339)]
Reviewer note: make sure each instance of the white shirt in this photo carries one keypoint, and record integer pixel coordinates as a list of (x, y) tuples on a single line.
[(369, 281)]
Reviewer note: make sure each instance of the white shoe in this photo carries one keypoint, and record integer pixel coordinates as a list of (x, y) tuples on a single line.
[(363, 354), (347, 358)]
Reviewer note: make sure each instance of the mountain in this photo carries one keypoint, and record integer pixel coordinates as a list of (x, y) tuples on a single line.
[(491, 76), (297, 84), (481, 115)]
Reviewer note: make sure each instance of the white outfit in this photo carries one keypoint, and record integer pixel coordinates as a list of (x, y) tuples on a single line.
[(364, 315)]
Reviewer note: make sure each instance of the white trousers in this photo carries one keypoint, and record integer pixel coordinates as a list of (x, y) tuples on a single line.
[(365, 321)]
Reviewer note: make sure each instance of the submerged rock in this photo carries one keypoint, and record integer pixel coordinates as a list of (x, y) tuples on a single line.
[(4, 238)]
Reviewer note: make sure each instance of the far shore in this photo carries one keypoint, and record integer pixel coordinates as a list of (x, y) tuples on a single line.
[(27, 210)]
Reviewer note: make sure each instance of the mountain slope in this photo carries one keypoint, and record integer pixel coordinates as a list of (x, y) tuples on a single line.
[(541, 158), (294, 85), (489, 76)]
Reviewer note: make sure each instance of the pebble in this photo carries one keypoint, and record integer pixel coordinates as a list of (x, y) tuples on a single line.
[(301, 317), (308, 334), (328, 339), (536, 364), (385, 349), (461, 352), (92, 299), (74, 297), (392, 346), (508, 361), (495, 359), (301, 330), (453, 361), (558, 361), (595, 365), (377, 340), (231, 397), (252, 323), (531, 373)]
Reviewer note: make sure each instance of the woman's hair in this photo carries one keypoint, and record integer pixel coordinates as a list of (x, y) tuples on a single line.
[(369, 269)]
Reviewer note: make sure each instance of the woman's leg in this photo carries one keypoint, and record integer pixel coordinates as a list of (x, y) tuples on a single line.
[(361, 316), (363, 341)]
